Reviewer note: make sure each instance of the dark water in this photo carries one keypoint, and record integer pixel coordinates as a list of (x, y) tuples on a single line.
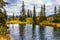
[(34, 32)]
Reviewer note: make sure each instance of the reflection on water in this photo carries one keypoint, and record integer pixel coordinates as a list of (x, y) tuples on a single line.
[(33, 32), (28, 32), (57, 34), (14, 31), (49, 35), (41, 32), (21, 31)]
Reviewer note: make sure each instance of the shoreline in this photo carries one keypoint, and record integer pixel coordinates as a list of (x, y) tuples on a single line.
[(7, 37), (31, 22), (51, 24)]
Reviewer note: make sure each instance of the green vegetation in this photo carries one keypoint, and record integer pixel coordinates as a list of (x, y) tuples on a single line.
[(3, 18), (13, 16), (56, 15), (36, 19), (33, 18), (29, 14), (3, 30), (23, 15), (2, 3), (42, 16), (34, 15)]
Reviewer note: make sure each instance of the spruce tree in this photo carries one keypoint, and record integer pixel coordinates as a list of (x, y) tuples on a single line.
[(34, 15), (28, 14), (2, 20), (55, 15), (41, 15), (59, 9), (59, 12), (3, 15), (23, 15), (13, 16), (45, 13), (2, 3), (44, 10)]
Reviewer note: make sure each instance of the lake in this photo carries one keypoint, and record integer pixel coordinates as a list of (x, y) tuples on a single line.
[(34, 32)]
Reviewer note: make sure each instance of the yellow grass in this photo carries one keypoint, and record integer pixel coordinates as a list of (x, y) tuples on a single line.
[(50, 24), (28, 21), (7, 37)]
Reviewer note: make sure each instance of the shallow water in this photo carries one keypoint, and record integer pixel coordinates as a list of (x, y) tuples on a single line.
[(34, 32)]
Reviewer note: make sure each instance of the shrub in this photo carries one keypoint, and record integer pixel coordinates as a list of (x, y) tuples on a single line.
[(3, 30)]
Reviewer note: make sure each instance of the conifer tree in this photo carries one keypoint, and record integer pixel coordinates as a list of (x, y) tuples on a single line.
[(34, 15), (28, 14), (42, 14), (58, 13), (45, 13), (2, 3), (44, 10), (23, 15), (59, 9), (2, 21), (55, 15), (3, 15), (13, 16)]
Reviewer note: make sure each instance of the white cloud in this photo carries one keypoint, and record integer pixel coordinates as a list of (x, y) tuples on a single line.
[(49, 4), (16, 6), (56, 2)]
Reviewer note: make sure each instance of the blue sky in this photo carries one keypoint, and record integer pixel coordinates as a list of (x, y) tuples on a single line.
[(14, 6)]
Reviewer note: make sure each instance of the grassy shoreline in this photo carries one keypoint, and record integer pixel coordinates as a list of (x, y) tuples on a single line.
[(46, 23), (6, 37), (51, 24), (4, 34), (18, 22)]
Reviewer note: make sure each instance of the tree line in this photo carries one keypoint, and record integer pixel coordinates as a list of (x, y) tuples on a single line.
[(42, 14), (30, 14), (56, 15), (3, 15), (3, 18)]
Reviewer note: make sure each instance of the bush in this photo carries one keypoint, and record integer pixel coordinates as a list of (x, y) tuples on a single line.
[(56, 21), (3, 30)]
